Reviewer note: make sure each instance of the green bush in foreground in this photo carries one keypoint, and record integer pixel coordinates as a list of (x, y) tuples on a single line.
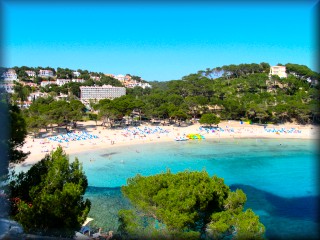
[(186, 205), (48, 199)]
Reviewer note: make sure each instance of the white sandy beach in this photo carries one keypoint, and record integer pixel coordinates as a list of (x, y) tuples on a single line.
[(107, 138)]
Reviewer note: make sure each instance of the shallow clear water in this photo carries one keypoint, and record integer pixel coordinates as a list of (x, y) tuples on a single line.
[(287, 170), (280, 177)]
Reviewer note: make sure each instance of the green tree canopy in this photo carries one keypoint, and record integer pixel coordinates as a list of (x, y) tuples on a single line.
[(107, 80), (48, 199), (301, 71), (184, 206), (64, 73), (18, 133), (243, 91), (107, 111), (209, 118), (4, 136)]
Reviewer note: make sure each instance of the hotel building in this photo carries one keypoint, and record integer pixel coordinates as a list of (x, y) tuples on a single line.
[(103, 92)]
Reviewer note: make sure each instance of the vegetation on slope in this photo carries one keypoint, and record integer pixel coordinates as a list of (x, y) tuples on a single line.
[(233, 92), (48, 199)]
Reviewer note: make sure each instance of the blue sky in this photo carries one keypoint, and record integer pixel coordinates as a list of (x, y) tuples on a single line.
[(159, 41)]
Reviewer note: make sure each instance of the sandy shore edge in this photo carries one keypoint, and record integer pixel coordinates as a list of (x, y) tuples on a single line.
[(107, 138)]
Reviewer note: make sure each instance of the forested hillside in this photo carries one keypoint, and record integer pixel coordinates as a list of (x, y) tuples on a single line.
[(232, 92), (244, 91)]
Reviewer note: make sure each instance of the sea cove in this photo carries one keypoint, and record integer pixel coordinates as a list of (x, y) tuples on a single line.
[(279, 176)]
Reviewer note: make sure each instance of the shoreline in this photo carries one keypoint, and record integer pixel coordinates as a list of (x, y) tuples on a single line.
[(110, 138)]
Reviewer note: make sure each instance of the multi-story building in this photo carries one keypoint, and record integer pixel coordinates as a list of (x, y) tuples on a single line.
[(144, 85), (10, 75), (78, 80), (35, 95), (76, 74), (132, 84), (103, 92), (120, 77), (96, 78), (279, 71), (61, 82), (31, 73), (25, 104), (61, 96), (7, 87), (45, 83), (45, 73), (6, 81), (127, 77)]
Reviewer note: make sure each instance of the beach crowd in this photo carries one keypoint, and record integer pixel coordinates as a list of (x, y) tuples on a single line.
[(89, 136)]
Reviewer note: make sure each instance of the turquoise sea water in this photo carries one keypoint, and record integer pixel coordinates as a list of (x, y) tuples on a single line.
[(280, 177)]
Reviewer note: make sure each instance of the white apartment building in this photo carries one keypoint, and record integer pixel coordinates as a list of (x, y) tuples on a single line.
[(45, 83), (26, 104), (103, 92), (120, 77), (35, 95), (31, 73), (45, 73), (8, 87), (279, 71), (61, 82), (78, 80), (137, 84), (145, 85), (10, 75), (76, 74), (96, 78)]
